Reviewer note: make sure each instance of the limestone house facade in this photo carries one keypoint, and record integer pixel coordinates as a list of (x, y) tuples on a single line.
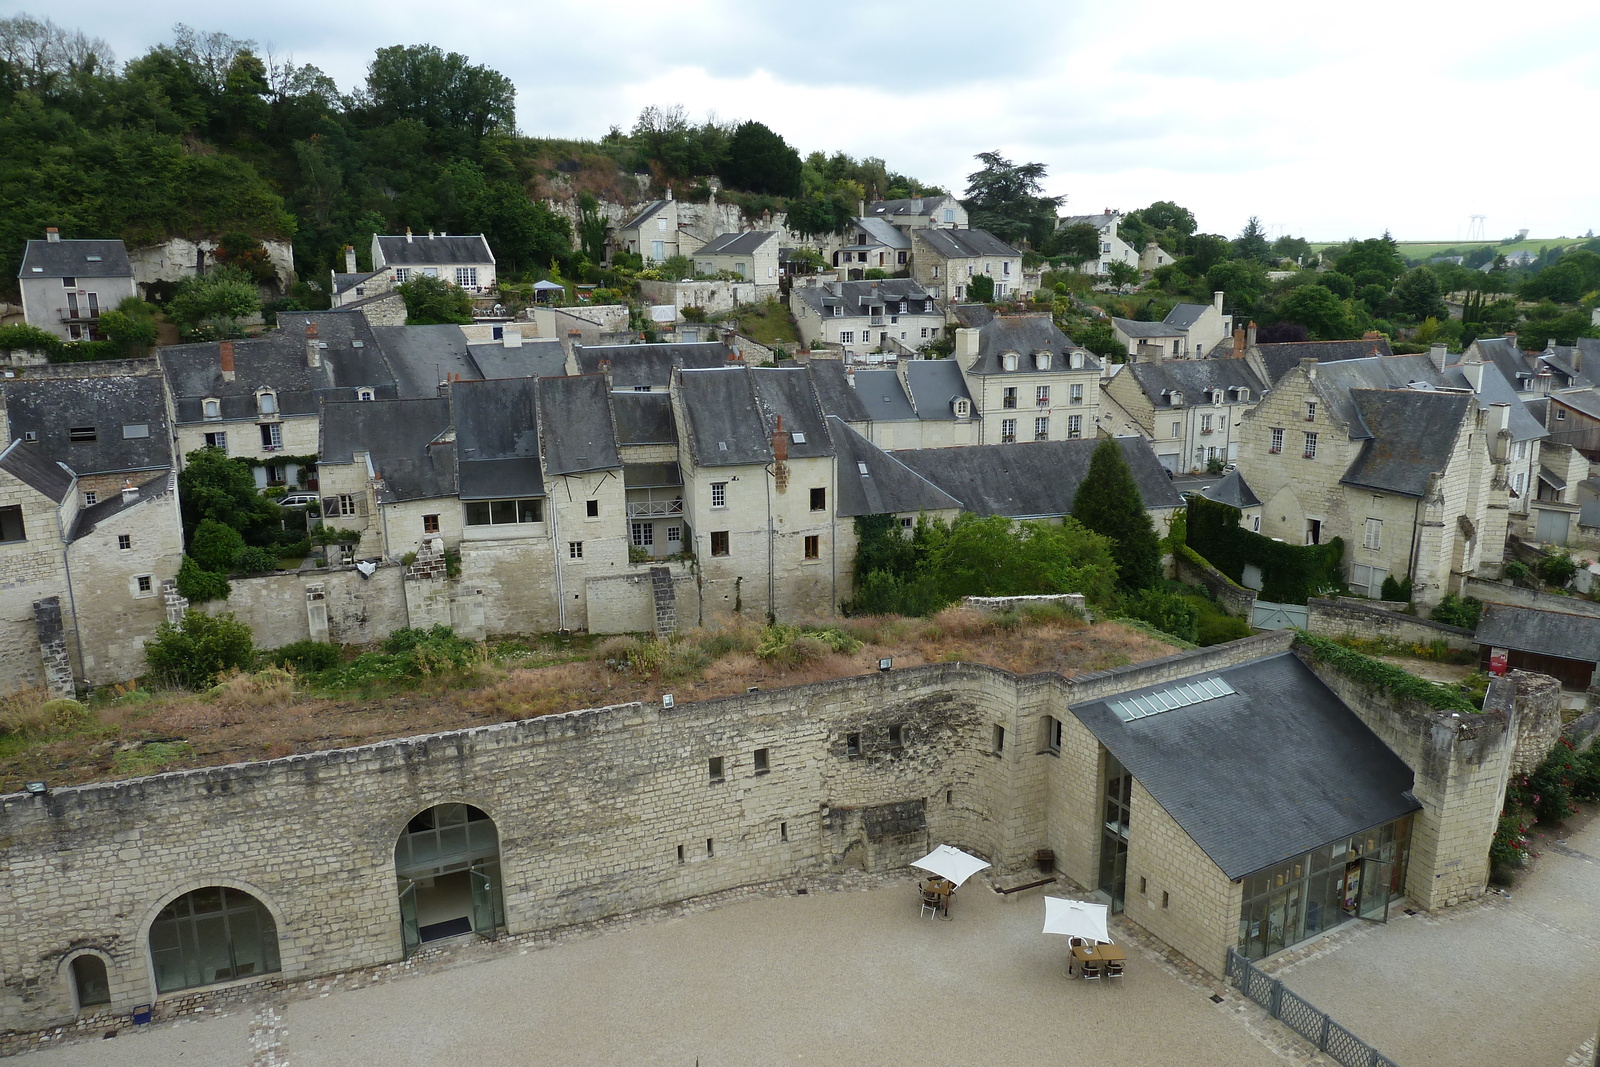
[(944, 260), (870, 243), (895, 315), (1412, 478), (1189, 409), (915, 403), (1113, 249), (653, 232), (940, 211), (66, 285), (752, 255), (464, 260), (1030, 382), (1190, 331)]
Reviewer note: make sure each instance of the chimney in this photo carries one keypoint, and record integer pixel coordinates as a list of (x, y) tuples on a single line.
[(669, 192), (1250, 336), (1436, 356), (1239, 343), (511, 337), (1511, 335), (1473, 372), (780, 442), (861, 209), (313, 349), (52, 235), (1577, 356), (850, 376), (408, 235), (1309, 365), (350, 260), (130, 492), (966, 343), (225, 357), (1216, 301)]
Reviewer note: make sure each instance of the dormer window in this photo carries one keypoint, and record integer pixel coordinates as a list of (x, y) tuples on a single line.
[(1244, 394), (963, 407), (212, 407), (267, 403), (1177, 398), (838, 311), (1075, 360), (1008, 361), (1041, 360), (363, 394)]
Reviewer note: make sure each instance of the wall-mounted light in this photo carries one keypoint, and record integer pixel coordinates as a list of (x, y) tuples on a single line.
[(885, 663), (666, 700), (753, 689), (38, 789)]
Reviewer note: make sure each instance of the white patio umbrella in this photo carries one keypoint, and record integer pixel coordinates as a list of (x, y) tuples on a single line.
[(1075, 918), (950, 862)]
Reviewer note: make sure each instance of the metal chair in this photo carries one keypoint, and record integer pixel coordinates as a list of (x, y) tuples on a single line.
[(931, 903), (1113, 969), (1091, 970)]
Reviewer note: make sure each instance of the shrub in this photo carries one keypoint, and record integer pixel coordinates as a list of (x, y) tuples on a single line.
[(192, 653), (200, 585), (1393, 590), (215, 546), (306, 657), (1458, 611), (1381, 675), (1516, 570), (1168, 612), (64, 713), (1217, 627), (1290, 574), (1558, 569), (253, 560)]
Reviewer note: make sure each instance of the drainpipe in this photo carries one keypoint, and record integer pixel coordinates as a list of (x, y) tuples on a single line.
[(1416, 523), (555, 550), (72, 600), (772, 604)]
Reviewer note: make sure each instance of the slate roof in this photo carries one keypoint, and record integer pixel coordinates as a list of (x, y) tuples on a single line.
[(91, 517), (1548, 633), (423, 356), (726, 427), (916, 205), (1194, 378), (534, 358), (1036, 479), (882, 231), (966, 244), (1334, 381), (643, 215), (117, 406), (1280, 359), (882, 396), (70, 259), (1524, 425), (1512, 361), (650, 365), (34, 469), (1276, 769), (1233, 490), (1584, 401), (404, 250), (497, 438), (1412, 435), (888, 487), (973, 315), (575, 425), (644, 418), (408, 440), (344, 282), (935, 385), (736, 244), (831, 380), (1574, 362), (1025, 335), (857, 297), (1135, 328), (1099, 222), (786, 393), (1183, 316)]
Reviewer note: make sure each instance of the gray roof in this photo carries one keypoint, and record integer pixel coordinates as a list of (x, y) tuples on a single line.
[(423, 356), (936, 384), (1024, 335), (1194, 378), (966, 244), (644, 418), (1036, 479), (1099, 222), (344, 282), (497, 438), (1183, 316), (736, 244), (421, 248), (882, 231), (1548, 633), (1511, 359), (882, 396), (533, 358), (650, 365), (1584, 401), (873, 482), (1280, 359), (651, 475), (786, 394), (575, 425), (643, 215), (34, 469), (1136, 328), (127, 412), (91, 517), (916, 205), (832, 382), (1334, 381), (857, 297), (75, 259), (408, 440), (725, 423), (1524, 425), (1412, 435), (1233, 490), (1277, 768)]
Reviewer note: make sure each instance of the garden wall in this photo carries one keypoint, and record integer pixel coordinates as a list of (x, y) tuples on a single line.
[(1234, 598), (1347, 618), (1515, 595)]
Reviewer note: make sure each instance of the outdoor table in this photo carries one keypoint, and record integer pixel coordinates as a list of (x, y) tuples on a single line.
[(1101, 953)]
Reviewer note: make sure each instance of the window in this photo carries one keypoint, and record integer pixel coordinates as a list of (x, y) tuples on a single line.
[(90, 498), (1041, 361), (69, 282), (430, 524), (936, 274), (838, 311), (1177, 430), (711, 849), (719, 542), (644, 534), (1373, 538), (134, 430), (592, 508), (1008, 431), (999, 739), (1166, 898), (1277, 439), (11, 525), (1050, 734), (430, 272), (343, 504), (267, 403), (212, 935), (680, 853), (897, 736), (1041, 428), (271, 436), (1041, 396), (761, 761), (1311, 446), (364, 394), (124, 542), (1074, 427), (81, 433), (574, 549), (963, 408), (847, 337), (1205, 423), (814, 546), (719, 494), (908, 525), (852, 744), (661, 225), (1008, 361), (783, 831), (960, 291), (674, 534), (1311, 410), (1075, 394), (90, 982), (217, 440), (1561, 415), (819, 499), (716, 768), (1008, 398), (466, 277), (144, 584), (504, 512), (949, 214)]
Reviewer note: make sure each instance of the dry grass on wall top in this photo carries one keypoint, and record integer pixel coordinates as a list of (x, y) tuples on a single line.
[(271, 713)]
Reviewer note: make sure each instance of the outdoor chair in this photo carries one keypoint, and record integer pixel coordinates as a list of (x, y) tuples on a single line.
[(1091, 971), (931, 902), (1113, 969)]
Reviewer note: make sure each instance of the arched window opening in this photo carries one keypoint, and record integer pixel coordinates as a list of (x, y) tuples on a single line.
[(210, 935), (89, 981), (447, 863)]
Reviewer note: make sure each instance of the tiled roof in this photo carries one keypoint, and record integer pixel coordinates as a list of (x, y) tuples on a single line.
[(420, 248)]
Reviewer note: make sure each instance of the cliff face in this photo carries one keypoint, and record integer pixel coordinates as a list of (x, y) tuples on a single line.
[(177, 258)]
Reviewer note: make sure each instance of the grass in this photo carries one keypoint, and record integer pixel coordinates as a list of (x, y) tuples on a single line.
[(1426, 249), (270, 713), (768, 323)]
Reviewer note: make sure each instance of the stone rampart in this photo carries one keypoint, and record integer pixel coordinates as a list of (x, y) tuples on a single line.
[(1515, 595), (1349, 618)]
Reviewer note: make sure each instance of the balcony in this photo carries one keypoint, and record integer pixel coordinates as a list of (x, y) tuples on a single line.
[(88, 314), (877, 320), (655, 509), (1206, 432)]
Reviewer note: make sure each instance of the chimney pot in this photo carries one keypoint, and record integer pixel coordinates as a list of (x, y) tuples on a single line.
[(408, 235), (313, 349), (130, 492), (1250, 335), (1216, 300)]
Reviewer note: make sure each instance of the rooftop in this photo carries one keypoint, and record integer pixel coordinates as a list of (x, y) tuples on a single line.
[(406, 248), (75, 259)]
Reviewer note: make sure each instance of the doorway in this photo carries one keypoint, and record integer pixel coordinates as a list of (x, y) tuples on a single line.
[(1118, 798), (1313, 531), (447, 869)]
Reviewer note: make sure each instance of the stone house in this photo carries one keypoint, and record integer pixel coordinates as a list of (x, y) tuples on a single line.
[(1113, 249), (943, 261), (1190, 331), (1030, 382), (109, 429), (941, 211), (653, 232), (870, 243), (464, 260), (66, 285), (752, 255), (1189, 409), (355, 285), (894, 315), (1411, 478), (917, 403), (874, 482)]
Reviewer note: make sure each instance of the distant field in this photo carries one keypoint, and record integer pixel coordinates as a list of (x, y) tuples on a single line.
[(1424, 249)]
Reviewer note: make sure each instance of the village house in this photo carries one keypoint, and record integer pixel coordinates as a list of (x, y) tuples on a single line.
[(940, 211), (870, 243), (1189, 409), (654, 233), (1029, 380), (463, 260), (1113, 249), (944, 261), (1190, 331), (752, 255), (894, 316), (916, 403), (66, 285)]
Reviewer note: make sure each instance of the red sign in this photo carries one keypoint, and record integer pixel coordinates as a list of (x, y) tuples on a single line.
[(1497, 661)]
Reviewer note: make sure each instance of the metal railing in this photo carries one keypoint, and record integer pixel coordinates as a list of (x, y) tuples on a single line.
[(1297, 1013), (655, 508), (84, 314)]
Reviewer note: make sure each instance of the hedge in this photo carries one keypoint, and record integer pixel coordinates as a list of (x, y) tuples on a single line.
[(1381, 675), (1290, 574)]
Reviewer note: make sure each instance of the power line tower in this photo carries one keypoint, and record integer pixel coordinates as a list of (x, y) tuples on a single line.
[(1475, 228)]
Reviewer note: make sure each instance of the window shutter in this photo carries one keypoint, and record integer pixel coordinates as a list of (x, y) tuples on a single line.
[(330, 506)]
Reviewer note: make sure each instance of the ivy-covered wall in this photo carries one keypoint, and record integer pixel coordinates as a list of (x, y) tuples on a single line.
[(1290, 574)]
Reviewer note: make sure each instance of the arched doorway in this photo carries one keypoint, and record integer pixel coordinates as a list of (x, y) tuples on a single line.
[(209, 935), (90, 985), (447, 863)]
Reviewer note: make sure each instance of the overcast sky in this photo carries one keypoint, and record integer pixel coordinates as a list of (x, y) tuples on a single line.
[(1326, 120)]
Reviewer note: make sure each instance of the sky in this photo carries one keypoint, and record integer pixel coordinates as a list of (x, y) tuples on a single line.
[(1324, 121)]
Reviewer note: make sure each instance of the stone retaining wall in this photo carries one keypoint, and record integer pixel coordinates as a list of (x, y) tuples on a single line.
[(1343, 617), (1234, 598)]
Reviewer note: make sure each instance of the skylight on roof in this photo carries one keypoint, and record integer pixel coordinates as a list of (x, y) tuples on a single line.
[(92, 259), (1169, 699), (799, 437), (862, 467)]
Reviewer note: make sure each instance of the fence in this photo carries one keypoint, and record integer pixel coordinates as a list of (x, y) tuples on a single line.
[(1300, 1016), (1266, 615)]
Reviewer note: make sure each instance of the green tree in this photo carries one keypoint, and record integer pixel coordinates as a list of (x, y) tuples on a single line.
[(214, 487), (1376, 261), (1417, 296), (248, 255), (1170, 613), (1122, 274), (192, 653), (1006, 199), (131, 326), (980, 289), (1324, 315), (434, 301), (591, 227), (199, 585), (1296, 248), (443, 91), (1243, 280), (214, 302), (1252, 242), (994, 557), (215, 546), (1109, 503), (761, 161), (1075, 243)]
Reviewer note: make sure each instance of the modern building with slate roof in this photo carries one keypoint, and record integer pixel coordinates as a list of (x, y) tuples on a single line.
[(871, 243), (919, 212), (1566, 647), (464, 260), (66, 285)]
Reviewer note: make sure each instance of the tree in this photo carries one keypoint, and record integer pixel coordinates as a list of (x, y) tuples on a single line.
[(199, 648), (762, 162), (1252, 242), (214, 487), (214, 302), (434, 301), (248, 255), (215, 546), (994, 557), (1376, 261), (1243, 280), (1075, 243), (1296, 248), (1109, 503), (443, 91), (591, 227), (980, 289), (1417, 295), (198, 585), (1122, 274), (1007, 200), (1323, 314)]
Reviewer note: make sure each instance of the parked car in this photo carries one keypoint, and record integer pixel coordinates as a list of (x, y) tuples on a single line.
[(299, 500)]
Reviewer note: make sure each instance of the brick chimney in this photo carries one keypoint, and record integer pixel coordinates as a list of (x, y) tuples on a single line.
[(1238, 344), (225, 357), (780, 456), (313, 348), (52, 235), (350, 259)]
